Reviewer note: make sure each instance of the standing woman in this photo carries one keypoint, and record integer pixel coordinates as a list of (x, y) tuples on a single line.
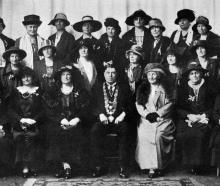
[(85, 63), (25, 112), (194, 108), (66, 110), (156, 128)]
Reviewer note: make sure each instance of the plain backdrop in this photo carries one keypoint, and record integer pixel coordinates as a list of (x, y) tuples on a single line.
[(13, 12)]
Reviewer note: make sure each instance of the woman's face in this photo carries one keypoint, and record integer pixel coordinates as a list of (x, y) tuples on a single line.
[(184, 24), (83, 51), (195, 76), (153, 77), (26, 80), (201, 51), (133, 58), (14, 58), (202, 29), (87, 28), (66, 77), (32, 29), (138, 22), (156, 31), (47, 52), (111, 32), (60, 24), (171, 59)]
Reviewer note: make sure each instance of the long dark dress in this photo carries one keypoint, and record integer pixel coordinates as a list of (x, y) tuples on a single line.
[(66, 145), (194, 140), (25, 106)]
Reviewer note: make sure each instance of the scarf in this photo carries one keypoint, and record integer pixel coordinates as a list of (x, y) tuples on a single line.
[(196, 88), (25, 44), (188, 39)]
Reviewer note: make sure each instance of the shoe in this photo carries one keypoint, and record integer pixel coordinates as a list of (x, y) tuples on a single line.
[(159, 173), (152, 174), (33, 173), (123, 173), (60, 174), (194, 171), (25, 174), (97, 172), (67, 173)]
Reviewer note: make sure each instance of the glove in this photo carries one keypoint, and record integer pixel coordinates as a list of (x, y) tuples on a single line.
[(120, 118), (152, 117), (74, 121), (103, 119), (64, 122)]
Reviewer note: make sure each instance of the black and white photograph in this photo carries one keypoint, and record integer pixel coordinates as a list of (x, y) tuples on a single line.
[(109, 93)]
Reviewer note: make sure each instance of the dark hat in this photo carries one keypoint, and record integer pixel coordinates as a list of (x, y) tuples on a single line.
[(135, 49), (22, 54), (46, 43), (201, 20), (68, 68), (59, 16), (87, 43), (114, 23), (96, 25), (2, 22), (32, 19), (154, 67), (172, 50), (155, 22), (199, 43), (185, 13), (193, 65), (26, 71), (139, 13)]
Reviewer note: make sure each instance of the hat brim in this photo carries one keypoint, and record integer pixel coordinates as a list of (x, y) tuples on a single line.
[(138, 53), (194, 27), (22, 54), (25, 23), (52, 22), (187, 71), (57, 75), (130, 20), (40, 51), (162, 27), (96, 25), (183, 17), (156, 70)]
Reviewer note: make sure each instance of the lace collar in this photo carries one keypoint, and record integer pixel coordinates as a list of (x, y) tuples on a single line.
[(29, 90)]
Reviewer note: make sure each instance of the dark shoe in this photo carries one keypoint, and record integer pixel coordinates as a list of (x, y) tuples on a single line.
[(33, 173), (60, 174), (194, 171), (25, 175), (159, 173), (97, 172), (152, 174), (67, 174), (123, 173)]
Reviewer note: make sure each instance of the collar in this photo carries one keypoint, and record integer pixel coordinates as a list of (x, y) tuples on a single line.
[(84, 37), (24, 89), (196, 86), (111, 85)]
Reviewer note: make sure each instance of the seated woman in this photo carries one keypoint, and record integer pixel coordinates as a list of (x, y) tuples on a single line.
[(202, 51), (134, 70), (46, 67), (66, 109), (25, 112), (156, 128), (84, 62), (194, 108)]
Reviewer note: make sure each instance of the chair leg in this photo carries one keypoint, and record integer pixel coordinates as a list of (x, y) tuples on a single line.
[(218, 171)]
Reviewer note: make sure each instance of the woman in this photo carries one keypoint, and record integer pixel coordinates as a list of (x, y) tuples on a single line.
[(46, 67), (156, 128), (139, 34), (10, 74), (66, 109), (194, 108), (202, 51), (25, 113), (85, 64), (134, 70), (203, 31)]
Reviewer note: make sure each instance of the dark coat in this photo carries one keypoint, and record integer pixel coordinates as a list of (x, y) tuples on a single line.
[(8, 42), (158, 53), (64, 47), (129, 40), (123, 100)]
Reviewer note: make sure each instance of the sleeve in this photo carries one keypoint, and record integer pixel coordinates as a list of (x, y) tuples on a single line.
[(142, 110), (216, 110)]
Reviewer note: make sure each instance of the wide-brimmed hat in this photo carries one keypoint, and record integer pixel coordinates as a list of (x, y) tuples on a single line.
[(46, 43), (155, 22), (154, 67), (32, 19), (14, 50), (113, 23), (2, 22), (201, 20), (199, 43), (68, 68), (193, 65), (59, 16), (135, 49), (185, 13), (139, 13), (96, 25)]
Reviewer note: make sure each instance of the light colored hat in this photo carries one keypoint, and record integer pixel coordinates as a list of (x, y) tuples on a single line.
[(46, 43), (59, 16), (135, 49), (154, 67)]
